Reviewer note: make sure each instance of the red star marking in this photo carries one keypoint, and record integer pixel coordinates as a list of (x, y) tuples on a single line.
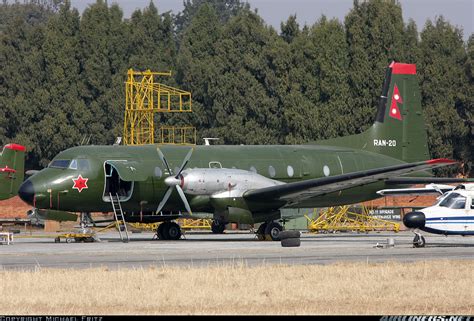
[(80, 183), (394, 110)]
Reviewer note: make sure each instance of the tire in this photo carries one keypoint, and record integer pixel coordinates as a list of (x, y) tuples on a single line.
[(291, 242), (159, 231), (289, 235), (272, 231), (419, 241), (172, 232)]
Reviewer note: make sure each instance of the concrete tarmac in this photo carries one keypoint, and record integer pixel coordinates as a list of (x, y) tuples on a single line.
[(204, 249)]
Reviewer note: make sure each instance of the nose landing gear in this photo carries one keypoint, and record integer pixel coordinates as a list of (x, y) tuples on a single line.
[(419, 240)]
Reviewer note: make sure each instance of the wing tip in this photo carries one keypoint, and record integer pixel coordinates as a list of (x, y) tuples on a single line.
[(441, 161)]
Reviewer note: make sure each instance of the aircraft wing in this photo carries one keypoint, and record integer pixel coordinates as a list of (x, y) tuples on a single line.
[(299, 191), (428, 189)]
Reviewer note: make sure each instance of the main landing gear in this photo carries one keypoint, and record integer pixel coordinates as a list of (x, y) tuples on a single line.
[(269, 231), (419, 240), (168, 231)]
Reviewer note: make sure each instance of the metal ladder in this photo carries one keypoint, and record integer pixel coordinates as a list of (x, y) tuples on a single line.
[(119, 217)]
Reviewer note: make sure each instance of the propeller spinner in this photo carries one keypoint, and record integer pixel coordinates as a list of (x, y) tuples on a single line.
[(174, 181)]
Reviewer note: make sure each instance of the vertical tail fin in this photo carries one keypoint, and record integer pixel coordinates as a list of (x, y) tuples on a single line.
[(399, 129), (12, 170)]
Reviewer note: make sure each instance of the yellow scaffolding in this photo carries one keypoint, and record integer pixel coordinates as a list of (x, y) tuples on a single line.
[(144, 97), (340, 218), (177, 135), (191, 224)]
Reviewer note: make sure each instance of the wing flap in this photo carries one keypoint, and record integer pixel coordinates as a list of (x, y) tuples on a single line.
[(299, 191)]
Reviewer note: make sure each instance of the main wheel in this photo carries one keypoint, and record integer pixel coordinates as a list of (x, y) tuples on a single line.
[(261, 232), (217, 227), (159, 231), (272, 231), (172, 231), (419, 241)]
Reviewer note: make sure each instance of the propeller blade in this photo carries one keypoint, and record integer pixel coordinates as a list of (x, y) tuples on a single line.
[(163, 159), (185, 162), (185, 201), (165, 198)]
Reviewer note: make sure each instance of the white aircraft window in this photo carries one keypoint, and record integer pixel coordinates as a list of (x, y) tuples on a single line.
[(83, 164), (253, 169), (290, 171), (448, 199), (271, 171), (459, 203), (454, 201), (59, 163), (73, 164)]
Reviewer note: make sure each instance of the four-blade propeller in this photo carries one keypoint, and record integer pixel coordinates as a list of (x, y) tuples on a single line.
[(174, 180)]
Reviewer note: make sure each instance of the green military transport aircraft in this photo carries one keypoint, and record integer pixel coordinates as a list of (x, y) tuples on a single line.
[(244, 184)]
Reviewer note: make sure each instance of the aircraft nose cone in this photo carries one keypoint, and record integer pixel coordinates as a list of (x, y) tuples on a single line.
[(27, 192), (414, 220)]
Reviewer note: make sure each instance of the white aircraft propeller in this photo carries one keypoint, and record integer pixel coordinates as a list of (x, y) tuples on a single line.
[(174, 181)]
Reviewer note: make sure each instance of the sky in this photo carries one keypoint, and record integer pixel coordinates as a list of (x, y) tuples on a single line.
[(458, 12)]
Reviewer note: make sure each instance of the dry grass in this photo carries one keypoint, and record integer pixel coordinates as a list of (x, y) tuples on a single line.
[(441, 287)]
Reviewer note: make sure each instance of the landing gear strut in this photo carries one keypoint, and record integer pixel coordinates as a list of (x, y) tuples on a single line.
[(168, 231), (269, 231), (419, 240), (217, 227)]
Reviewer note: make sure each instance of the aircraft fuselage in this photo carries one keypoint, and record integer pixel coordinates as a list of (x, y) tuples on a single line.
[(81, 185)]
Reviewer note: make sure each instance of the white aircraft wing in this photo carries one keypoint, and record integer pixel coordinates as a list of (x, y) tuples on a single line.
[(436, 189)]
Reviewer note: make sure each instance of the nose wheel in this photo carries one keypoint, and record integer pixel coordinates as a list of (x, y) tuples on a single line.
[(419, 240)]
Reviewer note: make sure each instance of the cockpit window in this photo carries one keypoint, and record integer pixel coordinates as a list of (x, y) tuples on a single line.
[(83, 164), (454, 201), (60, 163), (73, 164), (80, 164)]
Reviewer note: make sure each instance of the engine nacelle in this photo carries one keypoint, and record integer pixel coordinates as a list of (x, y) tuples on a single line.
[(229, 182)]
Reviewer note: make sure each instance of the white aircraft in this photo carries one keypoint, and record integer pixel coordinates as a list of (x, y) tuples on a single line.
[(452, 214)]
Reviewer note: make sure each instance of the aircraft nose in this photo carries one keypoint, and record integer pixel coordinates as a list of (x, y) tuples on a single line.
[(414, 220), (27, 192)]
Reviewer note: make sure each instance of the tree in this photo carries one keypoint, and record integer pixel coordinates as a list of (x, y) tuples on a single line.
[(22, 93), (63, 118), (245, 111), (196, 65), (105, 49), (225, 9), (444, 88), (290, 29), (374, 31)]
